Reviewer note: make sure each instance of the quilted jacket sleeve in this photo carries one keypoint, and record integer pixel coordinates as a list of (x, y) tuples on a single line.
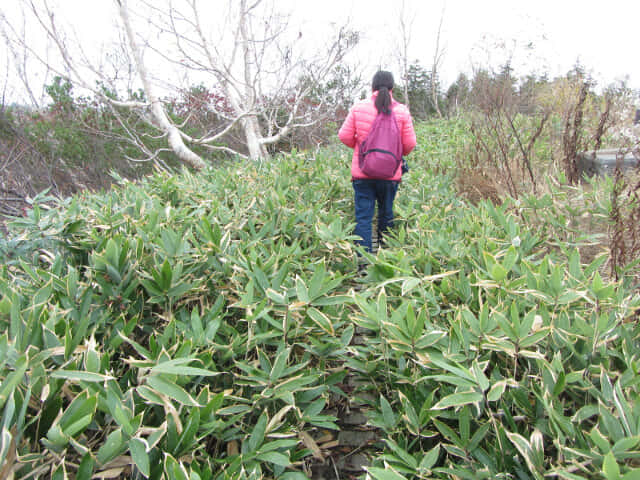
[(408, 133), (347, 132)]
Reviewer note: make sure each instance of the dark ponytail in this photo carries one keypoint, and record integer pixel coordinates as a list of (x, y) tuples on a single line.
[(383, 84)]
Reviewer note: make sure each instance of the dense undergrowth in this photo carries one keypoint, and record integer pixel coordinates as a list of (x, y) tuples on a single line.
[(200, 326)]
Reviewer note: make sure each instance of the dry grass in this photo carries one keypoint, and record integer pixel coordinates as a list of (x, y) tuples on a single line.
[(476, 186)]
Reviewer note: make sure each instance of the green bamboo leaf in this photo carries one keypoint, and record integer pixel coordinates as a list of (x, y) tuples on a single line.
[(277, 444), (178, 367), (430, 458), (275, 458), (387, 414), (625, 445), (510, 258), (537, 449), (332, 300), (568, 475), (384, 474), (60, 472), (402, 454), (556, 280), (572, 296), (257, 435), (6, 440), (81, 376), (174, 469), (409, 323), (410, 415), (83, 406), (138, 449), (595, 265), (409, 284), (293, 476), (121, 414), (507, 327), (478, 436), (632, 475), (321, 320), (347, 336), (155, 435), (5, 305), (439, 360), (560, 383), (279, 365), (498, 272), (276, 297), (610, 467), (585, 412), (535, 338), (150, 395), (523, 446), (116, 278), (166, 275), (13, 379), (77, 426), (483, 381), (612, 424), (151, 287), (429, 339), (458, 399), (171, 390), (302, 291), (624, 410), (575, 266), (113, 446), (464, 424), (179, 290), (56, 436), (86, 467)]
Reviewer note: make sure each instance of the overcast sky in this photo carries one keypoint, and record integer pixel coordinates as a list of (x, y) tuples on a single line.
[(541, 36)]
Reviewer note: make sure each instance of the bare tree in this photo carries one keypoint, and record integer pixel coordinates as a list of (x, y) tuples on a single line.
[(438, 54), (406, 25), (173, 133), (255, 59), (262, 69), (14, 37)]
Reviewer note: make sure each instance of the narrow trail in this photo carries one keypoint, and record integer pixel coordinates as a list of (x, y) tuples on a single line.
[(344, 454)]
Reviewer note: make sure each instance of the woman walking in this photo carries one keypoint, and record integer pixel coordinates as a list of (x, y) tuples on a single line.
[(372, 187)]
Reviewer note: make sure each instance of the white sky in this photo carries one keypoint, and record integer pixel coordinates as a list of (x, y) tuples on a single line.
[(603, 36), (540, 36)]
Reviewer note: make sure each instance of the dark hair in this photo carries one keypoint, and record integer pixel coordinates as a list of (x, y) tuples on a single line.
[(383, 83)]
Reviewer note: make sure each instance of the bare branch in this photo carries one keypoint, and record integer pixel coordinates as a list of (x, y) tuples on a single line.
[(173, 134), (437, 59), (20, 58), (406, 26), (264, 76)]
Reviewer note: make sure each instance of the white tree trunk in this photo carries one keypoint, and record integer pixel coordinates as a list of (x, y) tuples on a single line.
[(252, 133), (437, 58), (405, 31), (174, 136)]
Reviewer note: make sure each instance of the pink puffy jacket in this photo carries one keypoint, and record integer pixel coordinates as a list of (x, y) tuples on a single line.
[(357, 124)]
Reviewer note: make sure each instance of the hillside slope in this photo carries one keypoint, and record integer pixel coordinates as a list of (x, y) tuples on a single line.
[(213, 325)]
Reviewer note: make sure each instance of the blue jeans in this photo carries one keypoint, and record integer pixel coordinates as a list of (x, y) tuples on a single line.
[(367, 194)]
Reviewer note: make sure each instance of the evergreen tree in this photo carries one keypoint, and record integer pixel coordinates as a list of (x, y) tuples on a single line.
[(458, 94), (419, 90)]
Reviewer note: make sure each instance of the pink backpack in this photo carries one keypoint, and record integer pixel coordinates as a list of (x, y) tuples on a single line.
[(381, 152)]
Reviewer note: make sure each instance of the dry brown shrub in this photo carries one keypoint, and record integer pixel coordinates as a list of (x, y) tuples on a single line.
[(624, 225), (476, 186)]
